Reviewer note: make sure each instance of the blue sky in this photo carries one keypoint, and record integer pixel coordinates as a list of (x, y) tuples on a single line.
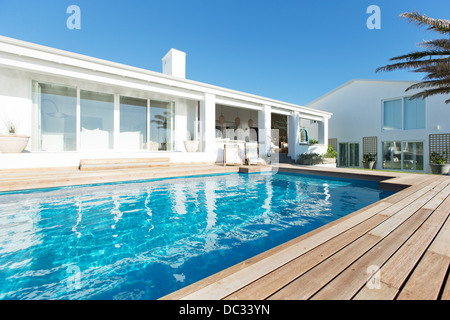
[(290, 50)]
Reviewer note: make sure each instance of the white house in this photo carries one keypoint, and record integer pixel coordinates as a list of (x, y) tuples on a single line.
[(377, 117), (76, 107)]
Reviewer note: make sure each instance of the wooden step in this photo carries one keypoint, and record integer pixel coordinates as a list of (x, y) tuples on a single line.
[(122, 163)]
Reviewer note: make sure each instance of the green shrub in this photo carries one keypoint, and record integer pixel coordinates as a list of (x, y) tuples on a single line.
[(330, 153), (369, 157), (436, 158)]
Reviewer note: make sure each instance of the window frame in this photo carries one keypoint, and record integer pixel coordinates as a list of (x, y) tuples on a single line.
[(402, 155), (116, 116), (347, 150), (383, 129)]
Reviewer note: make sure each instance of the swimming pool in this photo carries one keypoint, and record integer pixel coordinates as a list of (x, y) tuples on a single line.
[(143, 240)]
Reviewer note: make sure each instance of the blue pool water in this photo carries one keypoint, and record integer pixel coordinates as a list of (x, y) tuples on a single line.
[(144, 240)]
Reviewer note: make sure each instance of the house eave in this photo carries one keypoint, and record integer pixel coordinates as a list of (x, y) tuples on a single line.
[(62, 59)]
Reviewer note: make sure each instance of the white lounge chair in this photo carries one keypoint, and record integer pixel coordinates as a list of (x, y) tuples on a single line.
[(252, 154), (231, 155)]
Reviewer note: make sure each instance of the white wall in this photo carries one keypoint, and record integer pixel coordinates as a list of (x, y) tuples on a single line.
[(357, 113), (15, 101), (16, 105)]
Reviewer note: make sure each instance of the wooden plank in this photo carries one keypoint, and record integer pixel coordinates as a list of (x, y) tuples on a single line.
[(124, 166), (122, 163), (91, 177), (303, 288), (226, 286), (385, 228), (308, 284), (351, 280), (446, 290), (428, 277), (399, 266), (272, 282), (121, 160)]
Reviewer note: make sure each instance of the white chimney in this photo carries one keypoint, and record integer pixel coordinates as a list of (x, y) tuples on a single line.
[(174, 63)]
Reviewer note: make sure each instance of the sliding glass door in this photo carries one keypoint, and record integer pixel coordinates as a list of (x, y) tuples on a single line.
[(412, 155), (55, 117), (161, 126), (348, 154), (97, 120), (133, 124), (72, 119), (403, 155)]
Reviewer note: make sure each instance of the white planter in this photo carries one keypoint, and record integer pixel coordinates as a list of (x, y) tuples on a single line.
[(10, 143), (191, 145)]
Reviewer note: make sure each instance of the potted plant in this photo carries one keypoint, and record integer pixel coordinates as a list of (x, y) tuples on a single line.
[(438, 163), (191, 145), (12, 142), (369, 160), (330, 156)]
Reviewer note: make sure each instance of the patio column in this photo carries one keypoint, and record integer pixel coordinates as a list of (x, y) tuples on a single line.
[(208, 122), (264, 126), (293, 135), (323, 132)]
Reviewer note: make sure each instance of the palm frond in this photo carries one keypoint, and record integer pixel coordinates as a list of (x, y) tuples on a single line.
[(430, 92), (434, 61), (409, 65), (436, 84), (435, 44), (439, 25), (435, 71), (422, 54)]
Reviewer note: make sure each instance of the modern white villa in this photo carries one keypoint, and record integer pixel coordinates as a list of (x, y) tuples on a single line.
[(75, 107), (377, 117)]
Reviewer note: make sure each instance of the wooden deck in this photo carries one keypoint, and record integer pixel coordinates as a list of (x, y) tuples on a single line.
[(397, 248), (13, 180)]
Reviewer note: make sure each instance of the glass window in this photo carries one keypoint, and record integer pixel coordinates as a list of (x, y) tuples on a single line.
[(413, 155), (161, 126), (97, 120), (343, 154), (392, 155), (414, 113), (133, 123), (392, 115), (354, 154), (56, 117), (348, 154)]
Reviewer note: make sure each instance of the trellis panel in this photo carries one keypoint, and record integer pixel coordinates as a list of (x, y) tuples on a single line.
[(333, 142), (440, 143), (370, 145)]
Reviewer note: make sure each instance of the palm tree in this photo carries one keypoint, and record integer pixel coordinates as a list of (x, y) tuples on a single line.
[(434, 60)]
